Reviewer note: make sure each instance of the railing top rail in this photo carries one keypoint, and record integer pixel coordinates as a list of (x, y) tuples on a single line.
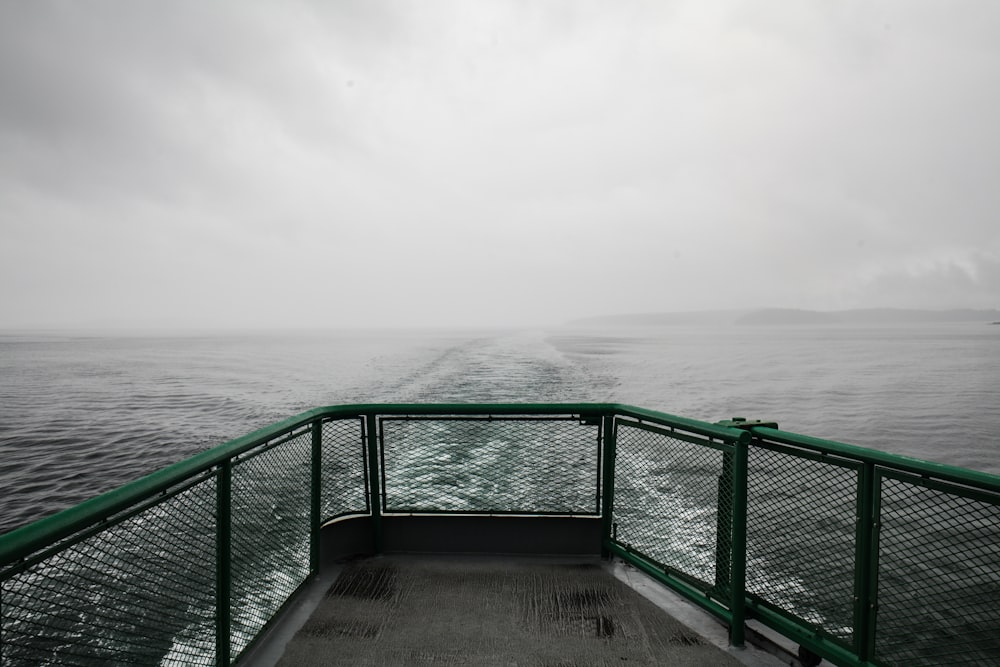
[(462, 409), (982, 480), (26, 539), (725, 433), (22, 541)]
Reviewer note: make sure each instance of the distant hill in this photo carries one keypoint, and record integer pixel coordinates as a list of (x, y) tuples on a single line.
[(708, 317), (792, 316), (864, 316)]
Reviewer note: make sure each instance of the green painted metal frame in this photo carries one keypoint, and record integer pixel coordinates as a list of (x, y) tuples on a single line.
[(609, 431), (598, 422), (372, 437), (865, 555), (316, 489), (738, 545), (872, 466), (732, 441), (223, 559), (21, 547)]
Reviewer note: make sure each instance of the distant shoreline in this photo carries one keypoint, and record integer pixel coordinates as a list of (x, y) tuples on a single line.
[(793, 316)]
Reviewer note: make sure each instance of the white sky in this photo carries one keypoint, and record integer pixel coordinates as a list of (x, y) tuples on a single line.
[(234, 164)]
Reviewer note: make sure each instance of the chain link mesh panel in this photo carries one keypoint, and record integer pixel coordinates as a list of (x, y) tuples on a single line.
[(141, 591), (343, 469), (667, 494), (271, 518), (490, 465), (939, 576), (140, 587), (801, 529)]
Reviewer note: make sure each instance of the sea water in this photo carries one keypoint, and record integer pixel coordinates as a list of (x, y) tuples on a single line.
[(85, 413)]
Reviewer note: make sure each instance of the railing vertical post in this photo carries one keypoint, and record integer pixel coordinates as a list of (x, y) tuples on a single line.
[(223, 568), (609, 428), (374, 480), (316, 488), (865, 565), (739, 544)]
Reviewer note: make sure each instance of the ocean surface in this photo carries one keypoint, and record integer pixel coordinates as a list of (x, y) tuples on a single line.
[(84, 413)]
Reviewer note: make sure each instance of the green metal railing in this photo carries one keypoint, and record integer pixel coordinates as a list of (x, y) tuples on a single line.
[(898, 559), (859, 556)]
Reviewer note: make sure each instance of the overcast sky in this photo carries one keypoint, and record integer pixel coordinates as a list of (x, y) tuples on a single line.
[(234, 164)]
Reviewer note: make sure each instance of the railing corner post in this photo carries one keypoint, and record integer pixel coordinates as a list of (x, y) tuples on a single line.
[(223, 571), (316, 488), (374, 479), (866, 562), (610, 434), (738, 560)]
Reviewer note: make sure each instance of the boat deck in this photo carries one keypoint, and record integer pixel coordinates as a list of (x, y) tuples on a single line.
[(487, 610)]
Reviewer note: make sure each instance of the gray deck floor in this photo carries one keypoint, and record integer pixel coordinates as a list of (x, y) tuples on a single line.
[(421, 610)]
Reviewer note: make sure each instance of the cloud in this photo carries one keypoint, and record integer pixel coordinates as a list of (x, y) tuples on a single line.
[(959, 283), (492, 162)]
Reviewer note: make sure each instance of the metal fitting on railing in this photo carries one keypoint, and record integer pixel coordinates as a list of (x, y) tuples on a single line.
[(746, 424)]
